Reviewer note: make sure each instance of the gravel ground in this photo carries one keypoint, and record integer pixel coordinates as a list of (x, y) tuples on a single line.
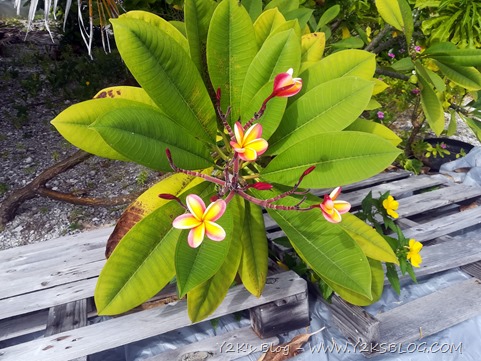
[(29, 144)]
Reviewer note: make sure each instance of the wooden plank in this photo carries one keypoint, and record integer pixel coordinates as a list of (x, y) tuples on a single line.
[(23, 325), (473, 269), (432, 313), (66, 317), (118, 331), (51, 249), (47, 298), (438, 198), (355, 323), (445, 225), (266, 322), (229, 346), (50, 278)]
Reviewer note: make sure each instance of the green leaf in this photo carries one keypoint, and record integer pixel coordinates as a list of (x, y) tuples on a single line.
[(348, 43), (284, 6), (165, 71), (372, 243), (205, 298), (331, 106), (253, 267), (326, 248), (302, 15), (390, 12), (461, 57), (364, 125), (126, 92), (197, 15), (377, 285), (142, 134), (231, 46), (195, 266), (393, 277), (403, 65), (466, 77), (164, 25), (141, 265), (266, 23), (340, 158), (253, 7), (432, 107), (313, 45), (279, 53), (452, 126), (352, 62), (474, 124), (408, 21), (328, 15), (74, 125)]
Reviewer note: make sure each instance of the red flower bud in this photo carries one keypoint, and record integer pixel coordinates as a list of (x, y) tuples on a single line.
[(261, 186), (308, 170), (167, 196), (214, 197)]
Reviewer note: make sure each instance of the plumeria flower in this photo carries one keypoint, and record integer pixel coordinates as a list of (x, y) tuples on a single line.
[(201, 220), (391, 206), (285, 85), (248, 145), (413, 252), (332, 208)]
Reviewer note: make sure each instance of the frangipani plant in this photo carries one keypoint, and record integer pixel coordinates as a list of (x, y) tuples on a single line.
[(241, 107)]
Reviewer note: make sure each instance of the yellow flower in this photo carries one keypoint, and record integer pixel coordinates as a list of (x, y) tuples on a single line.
[(391, 206), (413, 252)]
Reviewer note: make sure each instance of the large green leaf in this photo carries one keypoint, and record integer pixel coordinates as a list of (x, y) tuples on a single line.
[(162, 24), (331, 106), (364, 125), (313, 45), (340, 158), (141, 265), (351, 62), (253, 7), (326, 248), (195, 266), (372, 243), (253, 267), (432, 107), (284, 6), (74, 125), (464, 76), (142, 134), (279, 53), (463, 57), (197, 15), (390, 12), (266, 23), (126, 92), (205, 298), (231, 46), (377, 285), (165, 71), (302, 15)]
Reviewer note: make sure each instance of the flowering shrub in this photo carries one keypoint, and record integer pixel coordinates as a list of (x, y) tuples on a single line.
[(219, 107)]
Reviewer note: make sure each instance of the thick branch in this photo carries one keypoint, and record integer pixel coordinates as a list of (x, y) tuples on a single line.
[(392, 74), (36, 187), (378, 38)]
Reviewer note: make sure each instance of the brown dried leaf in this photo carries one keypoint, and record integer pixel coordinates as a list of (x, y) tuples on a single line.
[(287, 350)]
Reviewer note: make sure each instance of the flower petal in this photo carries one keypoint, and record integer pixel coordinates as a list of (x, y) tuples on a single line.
[(335, 193), (415, 259), (332, 215), (283, 79), (253, 133), (249, 155), (342, 206), (185, 221), (196, 205), (291, 90), (239, 133), (415, 246), (214, 231), (259, 145), (215, 210), (196, 236)]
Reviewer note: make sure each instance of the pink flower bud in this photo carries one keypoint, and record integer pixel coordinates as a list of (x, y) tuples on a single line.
[(261, 186), (285, 85)]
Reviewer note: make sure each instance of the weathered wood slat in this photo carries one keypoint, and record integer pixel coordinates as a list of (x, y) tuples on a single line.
[(47, 298), (432, 313), (444, 226), (49, 278), (53, 248), (473, 269), (438, 198), (66, 317), (229, 346), (134, 327), (23, 325)]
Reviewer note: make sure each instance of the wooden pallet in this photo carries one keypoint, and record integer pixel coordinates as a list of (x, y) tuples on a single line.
[(436, 212), (46, 296)]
